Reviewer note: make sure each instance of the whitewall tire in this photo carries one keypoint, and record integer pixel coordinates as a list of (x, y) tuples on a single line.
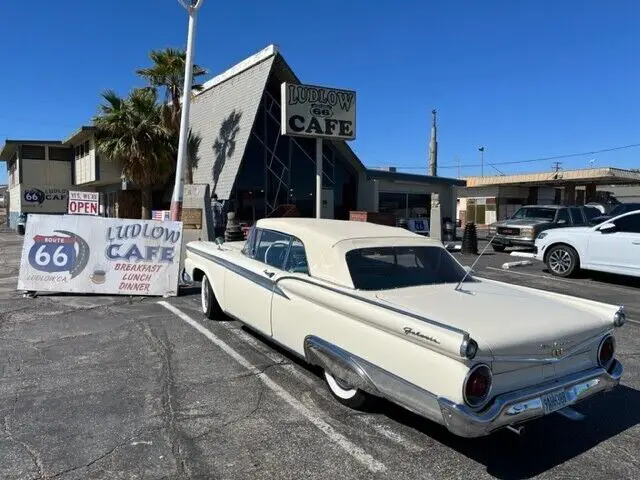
[(345, 394), (210, 306)]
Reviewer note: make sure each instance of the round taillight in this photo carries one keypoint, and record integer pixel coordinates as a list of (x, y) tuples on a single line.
[(477, 385), (606, 351)]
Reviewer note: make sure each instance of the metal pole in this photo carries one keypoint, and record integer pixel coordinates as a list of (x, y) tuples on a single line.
[(176, 198), (318, 177)]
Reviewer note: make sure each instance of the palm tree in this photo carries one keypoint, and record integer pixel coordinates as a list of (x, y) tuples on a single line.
[(132, 131), (167, 72)]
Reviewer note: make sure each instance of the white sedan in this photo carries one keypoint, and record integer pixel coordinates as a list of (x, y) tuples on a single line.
[(385, 312), (612, 247)]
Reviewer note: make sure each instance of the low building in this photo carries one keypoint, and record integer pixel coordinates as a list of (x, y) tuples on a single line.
[(485, 200), (94, 172), (39, 175)]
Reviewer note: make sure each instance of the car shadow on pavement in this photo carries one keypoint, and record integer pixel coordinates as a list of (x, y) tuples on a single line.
[(544, 444)]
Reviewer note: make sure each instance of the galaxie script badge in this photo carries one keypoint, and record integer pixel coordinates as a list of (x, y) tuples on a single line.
[(411, 331)]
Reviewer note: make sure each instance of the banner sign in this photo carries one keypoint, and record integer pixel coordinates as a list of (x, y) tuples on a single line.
[(43, 199), (311, 111), (87, 254), (83, 203)]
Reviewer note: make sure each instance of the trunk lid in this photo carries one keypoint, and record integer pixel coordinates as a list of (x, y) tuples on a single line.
[(504, 319)]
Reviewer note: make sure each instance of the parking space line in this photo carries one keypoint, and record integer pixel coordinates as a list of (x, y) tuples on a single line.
[(546, 277), (390, 434), (271, 355), (355, 451)]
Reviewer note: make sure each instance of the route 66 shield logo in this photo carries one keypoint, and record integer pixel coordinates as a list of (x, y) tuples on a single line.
[(67, 252)]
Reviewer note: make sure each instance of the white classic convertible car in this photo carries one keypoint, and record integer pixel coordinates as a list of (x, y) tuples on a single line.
[(389, 313)]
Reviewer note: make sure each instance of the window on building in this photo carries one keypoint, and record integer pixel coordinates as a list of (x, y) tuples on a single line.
[(86, 147), (419, 205), (391, 202), (60, 154), (32, 152)]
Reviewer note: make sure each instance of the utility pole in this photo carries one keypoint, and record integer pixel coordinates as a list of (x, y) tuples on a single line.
[(481, 150), (192, 7), (458, 163), (433, 146), (556, 166)]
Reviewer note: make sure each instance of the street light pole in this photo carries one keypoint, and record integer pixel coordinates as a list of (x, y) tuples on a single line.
[(192, 7), (481, 149)]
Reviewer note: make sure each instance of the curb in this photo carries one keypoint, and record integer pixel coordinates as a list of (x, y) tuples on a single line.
[(522, 263)]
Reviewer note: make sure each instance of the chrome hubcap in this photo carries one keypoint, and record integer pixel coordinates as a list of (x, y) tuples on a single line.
[(560, 261)]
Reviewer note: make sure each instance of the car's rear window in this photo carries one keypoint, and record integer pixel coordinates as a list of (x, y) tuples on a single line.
[(384, 268)]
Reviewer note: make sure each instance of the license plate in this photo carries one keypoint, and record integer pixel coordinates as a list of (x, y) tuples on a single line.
[(554, 401)]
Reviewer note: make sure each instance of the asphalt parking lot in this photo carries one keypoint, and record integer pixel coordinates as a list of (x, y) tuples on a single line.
[(108, 387)]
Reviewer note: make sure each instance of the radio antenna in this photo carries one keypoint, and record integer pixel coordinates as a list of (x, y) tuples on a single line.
[(474, 263)]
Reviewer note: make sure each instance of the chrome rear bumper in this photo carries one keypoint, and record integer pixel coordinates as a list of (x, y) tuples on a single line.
[(527, 404)]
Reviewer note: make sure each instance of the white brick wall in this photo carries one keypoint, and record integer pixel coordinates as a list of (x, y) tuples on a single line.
[(240, 94)]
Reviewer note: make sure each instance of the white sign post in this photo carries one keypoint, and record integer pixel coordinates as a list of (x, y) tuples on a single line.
[(318, 112), (88, 254), (83, 203)]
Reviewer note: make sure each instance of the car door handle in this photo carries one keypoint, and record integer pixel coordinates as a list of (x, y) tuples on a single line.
[(269, 273)]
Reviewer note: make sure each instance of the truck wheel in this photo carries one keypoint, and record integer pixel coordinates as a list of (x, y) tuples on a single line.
[(345, 394), (562, 260), (498, 248), (210, 306)]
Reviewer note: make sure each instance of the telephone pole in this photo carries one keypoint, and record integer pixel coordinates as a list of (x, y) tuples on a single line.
[(556, 166), (481, 150), (433, 146)]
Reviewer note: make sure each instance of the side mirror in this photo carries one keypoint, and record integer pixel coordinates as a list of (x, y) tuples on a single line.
[(607, 228)]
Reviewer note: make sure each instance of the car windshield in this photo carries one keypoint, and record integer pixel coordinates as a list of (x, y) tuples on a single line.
[(537, 213), (385, 268)]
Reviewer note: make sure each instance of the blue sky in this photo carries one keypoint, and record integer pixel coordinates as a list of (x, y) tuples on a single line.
[(525, 79)]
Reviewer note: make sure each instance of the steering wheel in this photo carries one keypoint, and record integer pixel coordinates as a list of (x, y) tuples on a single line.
[(279, 243)]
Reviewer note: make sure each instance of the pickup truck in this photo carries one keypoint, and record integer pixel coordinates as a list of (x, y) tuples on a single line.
[(523, 227)]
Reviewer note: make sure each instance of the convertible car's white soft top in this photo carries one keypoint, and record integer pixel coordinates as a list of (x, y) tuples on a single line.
[(327, 241)]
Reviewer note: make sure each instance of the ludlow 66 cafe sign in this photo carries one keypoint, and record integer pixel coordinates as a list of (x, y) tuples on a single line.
[(319, 112)]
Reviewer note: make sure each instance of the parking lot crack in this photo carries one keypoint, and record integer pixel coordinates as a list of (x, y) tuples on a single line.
[(183, 449)]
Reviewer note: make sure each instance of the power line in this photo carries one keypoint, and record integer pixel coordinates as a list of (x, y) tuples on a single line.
[(533, 160)]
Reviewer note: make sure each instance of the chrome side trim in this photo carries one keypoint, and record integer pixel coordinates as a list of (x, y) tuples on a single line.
[(415, 316), (372, 379), (253, 277), (528, 403)]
